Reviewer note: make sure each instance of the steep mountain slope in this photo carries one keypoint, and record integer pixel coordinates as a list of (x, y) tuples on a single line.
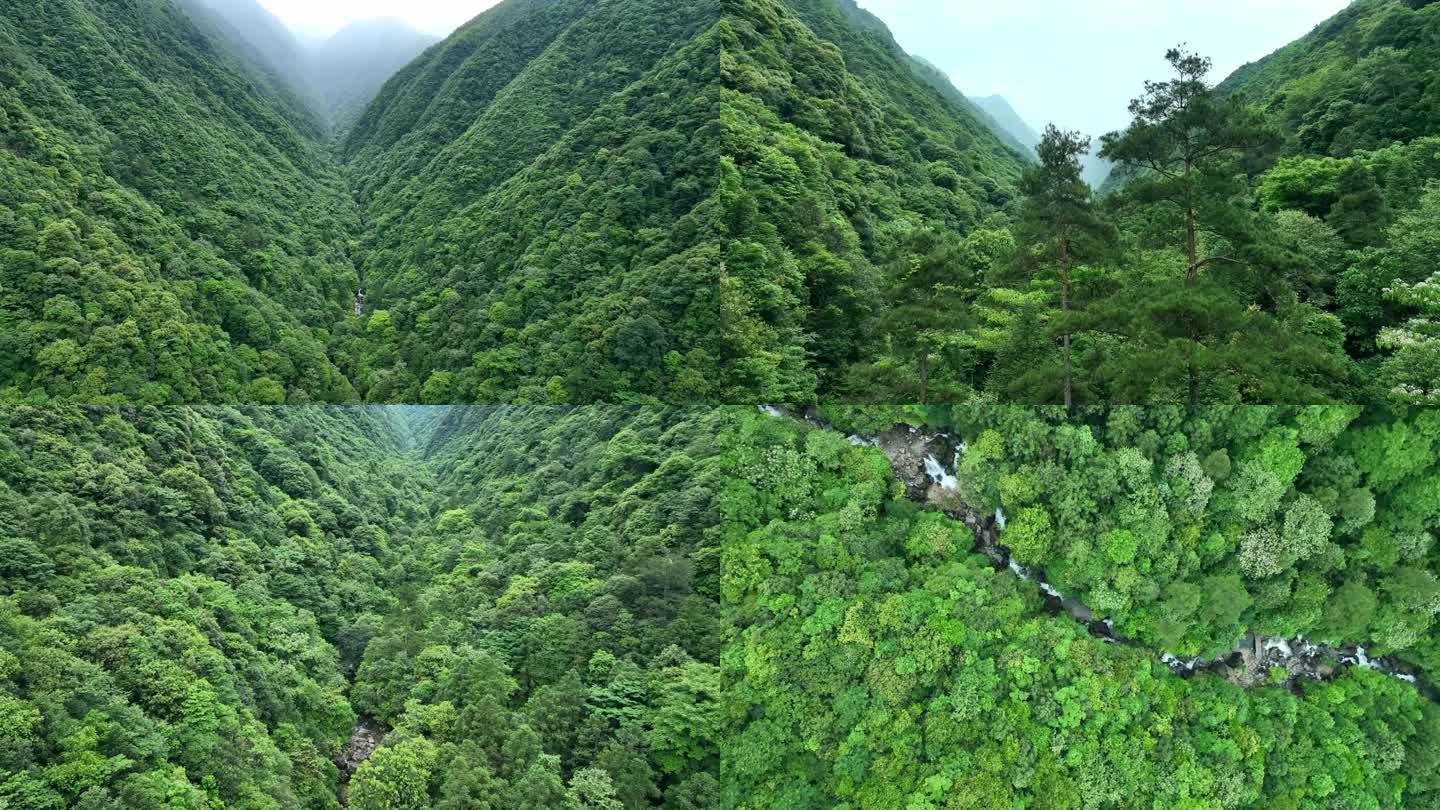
[(523, 181), (171, 231), (263, 42), (696, 220), (561, 621), (350, 67), (1364, 79), (196, 603), (839, 151), (1008, 120), (182, 593)]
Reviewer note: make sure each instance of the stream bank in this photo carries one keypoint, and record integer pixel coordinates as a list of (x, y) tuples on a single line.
[(364, 739), (926, 463)]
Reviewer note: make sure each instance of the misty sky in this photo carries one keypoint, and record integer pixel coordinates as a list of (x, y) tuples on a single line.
[(324, 17), (1074, 63), (1078, 64)]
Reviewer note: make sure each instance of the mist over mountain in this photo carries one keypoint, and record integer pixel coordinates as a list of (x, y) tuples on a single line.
[(173, 228), (263, 42), (1007, 119), (350, 67), (772, 426), (333, 78)]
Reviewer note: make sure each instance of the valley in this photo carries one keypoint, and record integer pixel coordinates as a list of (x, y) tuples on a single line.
[(385, 607), (887, 616), (761, 200), (697, 404), (916, 457)]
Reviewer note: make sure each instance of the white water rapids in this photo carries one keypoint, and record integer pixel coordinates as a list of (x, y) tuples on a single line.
[(1302, 657)]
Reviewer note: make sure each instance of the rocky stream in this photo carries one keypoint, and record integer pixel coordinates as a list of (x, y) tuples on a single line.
[(926, 462)]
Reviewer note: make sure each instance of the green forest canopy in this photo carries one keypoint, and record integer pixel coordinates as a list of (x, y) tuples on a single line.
[(757, 200), (195, 604), (872, 660)]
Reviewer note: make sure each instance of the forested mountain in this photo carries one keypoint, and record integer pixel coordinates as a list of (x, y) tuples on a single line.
[(1008, 120), (196, 604), (695, 221), (170, 229), (843, 152), (262, 41), (181, 594), (876, 660), (1362, 80), (349, 68), (1358, 101), (523, 205), (558, 637), (749, 200)]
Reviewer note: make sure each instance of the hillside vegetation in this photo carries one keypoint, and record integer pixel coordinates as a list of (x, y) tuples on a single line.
[(874, 660), (197, 604), (700, 201), (150, 193)]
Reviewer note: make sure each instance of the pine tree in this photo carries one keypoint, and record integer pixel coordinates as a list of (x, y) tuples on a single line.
[(1360, 215), (1060, 223), (1181, 151)]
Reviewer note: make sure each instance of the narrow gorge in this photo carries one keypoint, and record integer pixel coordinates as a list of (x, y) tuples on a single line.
[(919, 461)]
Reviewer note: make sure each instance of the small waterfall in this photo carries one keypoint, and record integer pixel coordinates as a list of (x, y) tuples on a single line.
[(940, 475), (1305, 658)]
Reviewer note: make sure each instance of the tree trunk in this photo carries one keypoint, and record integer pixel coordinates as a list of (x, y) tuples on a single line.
[(1192, 249), (1064, 314), (924, 375)]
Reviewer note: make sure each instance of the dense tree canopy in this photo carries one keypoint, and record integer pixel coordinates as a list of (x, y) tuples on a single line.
[(180, 596), (170, 231), (690, 202), (196, 605), (874, 661), (557, 637)]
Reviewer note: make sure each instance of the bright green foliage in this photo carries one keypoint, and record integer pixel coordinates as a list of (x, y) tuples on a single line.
[(396, 777), (701, 220), (173, 585), (1362, 80), (526, 599), (545, 229), (864, 672), (1414, 368), (557, 636), (1187, 528), (151, 236)]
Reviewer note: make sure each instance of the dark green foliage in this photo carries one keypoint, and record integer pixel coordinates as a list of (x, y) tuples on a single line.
[(1320, 514), (529, 596), (541, 229), (697, 201), (1359, 215), (150, 240), (1362, 80), (1060, 226), (557, 640), (699, 221), (841, 153), (166, 604)]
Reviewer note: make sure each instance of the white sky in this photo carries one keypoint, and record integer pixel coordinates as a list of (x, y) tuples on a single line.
[(1078, 64), (1074, 63), (325, 17)]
